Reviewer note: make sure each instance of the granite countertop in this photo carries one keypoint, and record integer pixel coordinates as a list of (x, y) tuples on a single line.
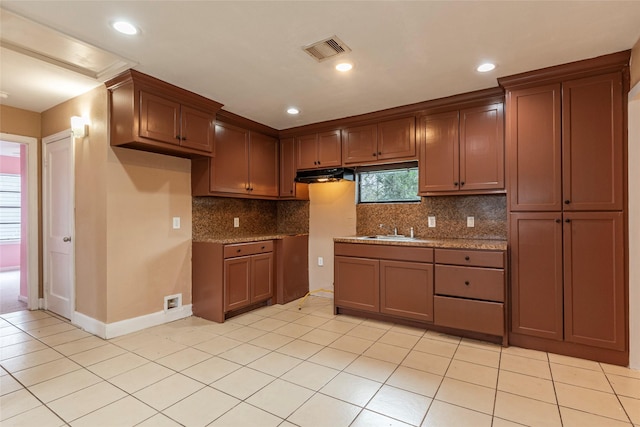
[(500, 245), (246, 239)]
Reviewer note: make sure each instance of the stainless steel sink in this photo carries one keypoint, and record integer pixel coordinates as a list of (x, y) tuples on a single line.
[(389, 237)]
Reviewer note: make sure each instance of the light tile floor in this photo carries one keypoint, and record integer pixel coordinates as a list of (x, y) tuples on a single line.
[(278, 366)]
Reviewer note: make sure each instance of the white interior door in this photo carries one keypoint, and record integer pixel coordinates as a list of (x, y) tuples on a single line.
[(58, 209)]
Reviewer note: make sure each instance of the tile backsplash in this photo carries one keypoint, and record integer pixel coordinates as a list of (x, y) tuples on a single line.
[(451, 212), (213, 217)]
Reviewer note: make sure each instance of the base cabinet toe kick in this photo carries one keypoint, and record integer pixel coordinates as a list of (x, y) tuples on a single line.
[(457, 291)]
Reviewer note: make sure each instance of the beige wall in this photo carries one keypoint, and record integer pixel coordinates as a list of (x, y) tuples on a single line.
[(635, 64), (19, 122), (332, 213), (128, 257)]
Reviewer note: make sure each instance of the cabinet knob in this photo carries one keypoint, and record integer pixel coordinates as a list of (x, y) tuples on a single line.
[(184, 138), (466, 282), (374, 154), (318, 161), (455, 183), (238, 250), (290, 191), (178, 137), (379, 153), (315, 162), (262, 248), (567, 220), (462, 183), (467, 258), (558, 220), (566, 202)]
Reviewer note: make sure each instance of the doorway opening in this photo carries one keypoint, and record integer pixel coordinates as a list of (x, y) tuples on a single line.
[(18, 224)]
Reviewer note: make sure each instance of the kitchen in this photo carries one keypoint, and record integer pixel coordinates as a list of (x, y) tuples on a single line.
[(128, 180)]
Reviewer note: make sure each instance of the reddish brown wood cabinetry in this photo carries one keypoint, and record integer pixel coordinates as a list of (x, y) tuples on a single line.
[(565, 142), (289, 189), (245, 165), (319, 150), (470, 290), (231, 277), (392, 140), (392, 280), (151, 115), (463, 150)]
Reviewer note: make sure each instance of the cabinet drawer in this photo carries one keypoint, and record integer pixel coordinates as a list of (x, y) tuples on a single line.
[(470, 282), (478, 316), (470, 257), (242, 249), (399, 253)]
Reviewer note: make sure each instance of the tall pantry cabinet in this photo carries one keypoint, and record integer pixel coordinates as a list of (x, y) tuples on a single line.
[(566, 151)]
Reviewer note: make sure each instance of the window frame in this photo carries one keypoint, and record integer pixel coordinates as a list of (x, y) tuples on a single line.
[(385, 168)]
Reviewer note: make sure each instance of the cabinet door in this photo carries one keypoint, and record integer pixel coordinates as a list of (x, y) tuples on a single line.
[(592, 139), (287, 167), (439, 158), (357, 283), (159, 118), (237, 283), (307, 151), (406, 289), (482, 148), (263, 165), (594, 285), (329, 149), (360, 144), (536, 274), (534, 146), (397, 139), (230, 168), (261, 277), (197, 129)]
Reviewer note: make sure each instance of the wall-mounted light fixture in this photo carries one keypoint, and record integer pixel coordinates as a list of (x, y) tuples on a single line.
[(79, 127)]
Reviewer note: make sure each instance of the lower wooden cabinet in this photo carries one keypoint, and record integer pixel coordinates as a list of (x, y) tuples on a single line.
[(470, 288), (366, 281), (231, 277), (568, 278)]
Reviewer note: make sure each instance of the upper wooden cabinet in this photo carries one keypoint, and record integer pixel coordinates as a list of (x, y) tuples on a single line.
[(149, 114), (319, 150), (565, 145), (289, 189), (381, 142), (245, 165), (463, 151)]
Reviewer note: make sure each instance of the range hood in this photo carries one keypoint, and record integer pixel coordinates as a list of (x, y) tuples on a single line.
[(325, 175)]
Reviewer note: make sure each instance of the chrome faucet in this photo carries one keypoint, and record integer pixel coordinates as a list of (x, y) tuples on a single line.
[(395, 229)]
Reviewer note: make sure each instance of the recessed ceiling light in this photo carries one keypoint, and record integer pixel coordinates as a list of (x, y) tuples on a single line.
[(293, 110), (487, 66), (125, 27), (344, 66)]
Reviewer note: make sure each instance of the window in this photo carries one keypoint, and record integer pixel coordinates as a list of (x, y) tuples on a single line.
[(388, 185), (9, 207)]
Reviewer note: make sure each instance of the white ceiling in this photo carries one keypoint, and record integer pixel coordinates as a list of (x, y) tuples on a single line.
[(247, 54)]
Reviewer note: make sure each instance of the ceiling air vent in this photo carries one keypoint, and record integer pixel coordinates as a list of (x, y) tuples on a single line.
[(326, 49)]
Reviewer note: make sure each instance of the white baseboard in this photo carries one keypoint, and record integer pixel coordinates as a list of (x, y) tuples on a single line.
[(40, 303), (123, 327)]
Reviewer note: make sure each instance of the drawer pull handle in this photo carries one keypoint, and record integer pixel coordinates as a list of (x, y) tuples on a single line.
[(239, 250), (467, 282), (467, 258), (262, 248)]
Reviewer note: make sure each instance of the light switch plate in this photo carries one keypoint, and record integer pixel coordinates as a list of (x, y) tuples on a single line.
[(236, 222), (471, 221), (176, 222), (432, 221), (320, 261)]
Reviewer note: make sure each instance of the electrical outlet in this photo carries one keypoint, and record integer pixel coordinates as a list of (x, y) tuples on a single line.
[(236, 222), (320, 261), (432, 221), (471, 221), (176, 222)]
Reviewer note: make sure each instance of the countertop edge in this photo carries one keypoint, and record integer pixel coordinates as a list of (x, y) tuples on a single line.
[(495, 245), (247, 239)]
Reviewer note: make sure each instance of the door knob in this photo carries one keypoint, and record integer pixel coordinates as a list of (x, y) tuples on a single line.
[(66, 239)]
